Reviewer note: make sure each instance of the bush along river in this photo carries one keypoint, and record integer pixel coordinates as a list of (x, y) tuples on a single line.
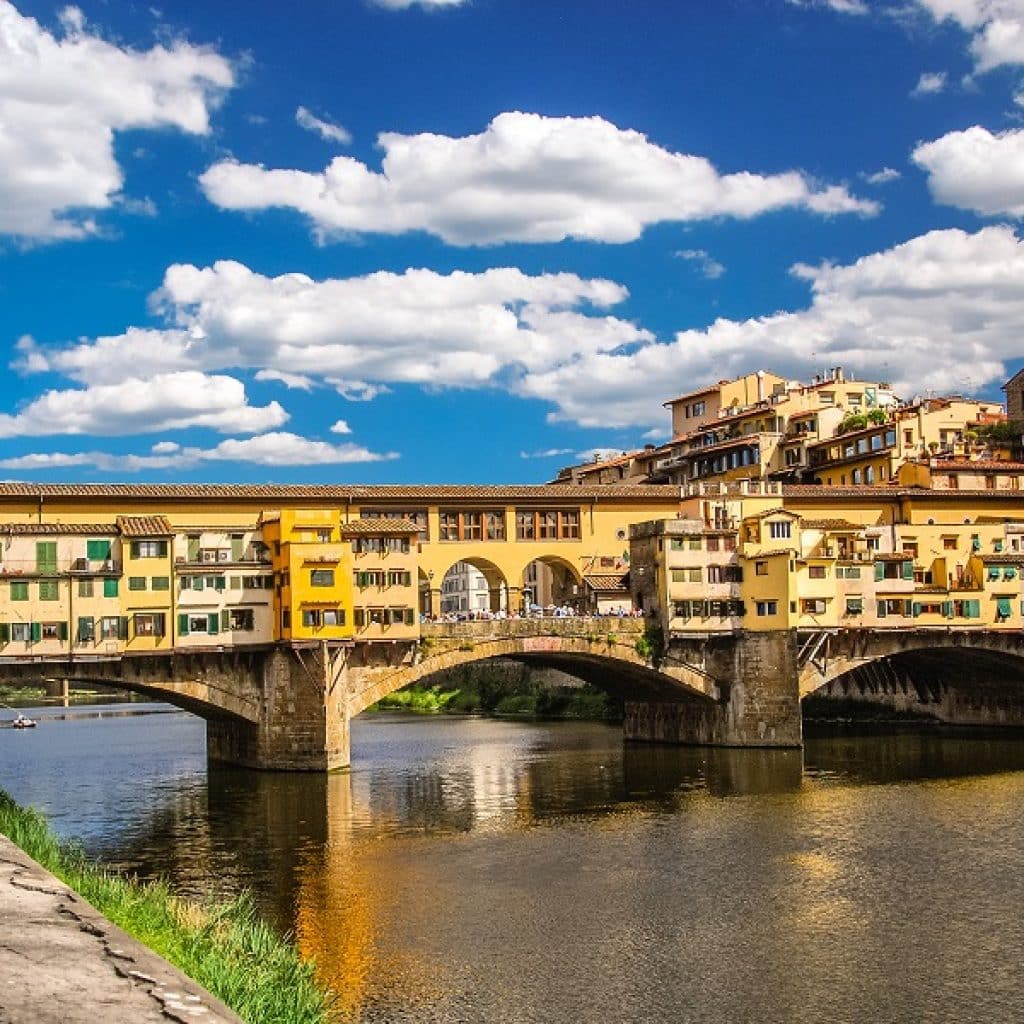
[(502, 870)]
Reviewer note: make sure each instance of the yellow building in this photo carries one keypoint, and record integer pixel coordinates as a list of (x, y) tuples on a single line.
[(146, 596), (385, 577), (833, 558)]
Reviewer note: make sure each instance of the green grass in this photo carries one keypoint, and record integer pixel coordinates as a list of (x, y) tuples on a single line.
[(223, 946)]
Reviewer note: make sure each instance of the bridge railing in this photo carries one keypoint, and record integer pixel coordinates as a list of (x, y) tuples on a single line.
[(537, 626)]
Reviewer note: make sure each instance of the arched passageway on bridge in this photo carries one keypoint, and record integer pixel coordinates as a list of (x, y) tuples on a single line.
[(956, 685), (469, 588), (551, 582)]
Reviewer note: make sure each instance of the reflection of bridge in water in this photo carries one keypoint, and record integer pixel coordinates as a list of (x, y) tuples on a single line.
[(289, 706)]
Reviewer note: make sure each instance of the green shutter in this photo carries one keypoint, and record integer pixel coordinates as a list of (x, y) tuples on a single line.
[(212, 621), (134, 547), (236, 549), (97, 550), (36, 632), (916, 608), (85, 629), (110, 588), (972, 609), (947, 609), (5, 633), (219, 583), (197, 583), (193, 549), (881, 609), (122, 628), (225, 620), (1003, 607), (161, 548), (182, 624), (908, 570), (879, 570), (907, 607), (46, 556), (409, 619), (62, 631)]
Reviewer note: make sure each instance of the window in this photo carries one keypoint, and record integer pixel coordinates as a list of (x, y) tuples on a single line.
[(193, 623), (334, 616), (323, 536), (110, 588), (21, 631), (321, 578), (370, 578), (85, 588), (149, 549), (49, 590), (149, 624), (401, 578), (724, 574), (686, 575), (816, 572), (893, 606), (848, 572), (53, 631), (86, 632), (729, 542), (713, 544), (19, 591), (949, 543), (311, 617), (779, 529), (417, 516), (813, 606), (760, 568), (676, 543), (136, 582), (97, 550), (767, 608), (286, 618), (113, 628), (160, 583), (241, 620), (697, 409), (549, 524), (854, 606), (46, 556)]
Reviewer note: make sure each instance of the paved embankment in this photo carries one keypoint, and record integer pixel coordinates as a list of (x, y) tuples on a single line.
[(62, 962)]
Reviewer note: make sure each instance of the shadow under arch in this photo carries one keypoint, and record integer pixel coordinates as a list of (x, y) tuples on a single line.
[(497, 585), (550, 579)]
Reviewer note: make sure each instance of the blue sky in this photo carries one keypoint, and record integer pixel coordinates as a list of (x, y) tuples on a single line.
[(444, 241)]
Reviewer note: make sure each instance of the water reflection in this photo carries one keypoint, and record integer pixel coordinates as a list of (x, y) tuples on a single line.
[(483, 870)]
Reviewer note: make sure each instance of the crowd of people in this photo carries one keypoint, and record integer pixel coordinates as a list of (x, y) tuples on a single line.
[(551, 611)]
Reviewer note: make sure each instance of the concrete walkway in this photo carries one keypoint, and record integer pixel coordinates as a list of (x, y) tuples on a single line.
[(62, 962)]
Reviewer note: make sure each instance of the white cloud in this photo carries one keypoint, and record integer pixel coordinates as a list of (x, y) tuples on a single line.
[(273, 449), (943, 311), (359, 334), (526, 178), (840, 6), (430, 5), (882, 177), (62, 99), (599, 454), (547, 453), (976, 170), (170, 401), (996, 28), (327, 130), (340, 427), (929, 83), (292, 381), (708, 266)]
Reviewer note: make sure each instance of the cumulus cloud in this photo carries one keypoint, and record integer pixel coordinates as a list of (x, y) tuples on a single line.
[(929, 83), (943, 311), (708, 266), (840, 6), (546, 453), (996, 28), (164, 402), (525, 178), (327, 130), (292, 381), (273, 449), (976, 170), (882, 177), (340, 427), (62, 99), (358, 334)]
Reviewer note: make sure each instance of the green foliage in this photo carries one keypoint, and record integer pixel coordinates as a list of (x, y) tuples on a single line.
[(467, 645), (877, 417), (650, 645), (225, 947), (421, 700), (852, 421), (611, 639), (427, 644), (1007, 432)]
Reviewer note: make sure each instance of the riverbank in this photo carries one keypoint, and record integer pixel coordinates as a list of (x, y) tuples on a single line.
[(224, 947), (502, 691)]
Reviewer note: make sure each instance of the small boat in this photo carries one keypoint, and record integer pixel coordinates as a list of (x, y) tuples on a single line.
[(21, 722)]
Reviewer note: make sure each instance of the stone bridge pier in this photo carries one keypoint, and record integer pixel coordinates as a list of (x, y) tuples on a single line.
[(752, 688)]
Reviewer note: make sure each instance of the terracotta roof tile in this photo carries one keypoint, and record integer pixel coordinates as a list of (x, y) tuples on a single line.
[(376, 525), (30, 529), (145, 526), (607, 582), (835, 525)]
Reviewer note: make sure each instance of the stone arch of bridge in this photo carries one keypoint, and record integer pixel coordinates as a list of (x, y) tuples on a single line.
[(497, 580), (565, 580), (956, 656), (609, 663)]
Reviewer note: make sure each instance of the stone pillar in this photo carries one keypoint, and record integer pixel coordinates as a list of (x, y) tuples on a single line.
[(759, 703), (435, 602), (304, 724)]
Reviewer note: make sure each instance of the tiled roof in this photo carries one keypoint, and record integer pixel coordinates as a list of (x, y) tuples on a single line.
[(966, 465), (788, 552), (376, 525), (607, 582), (1003, 559), (29, 529), (834, 525), (144, 526), (868, 491), (336, 492)]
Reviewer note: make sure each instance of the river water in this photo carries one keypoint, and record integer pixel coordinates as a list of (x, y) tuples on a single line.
[(475, 870)]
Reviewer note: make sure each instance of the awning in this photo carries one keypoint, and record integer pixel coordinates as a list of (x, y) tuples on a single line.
[(1003, 607)]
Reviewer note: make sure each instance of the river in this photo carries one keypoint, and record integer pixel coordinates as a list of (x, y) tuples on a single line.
[(472, 870)]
